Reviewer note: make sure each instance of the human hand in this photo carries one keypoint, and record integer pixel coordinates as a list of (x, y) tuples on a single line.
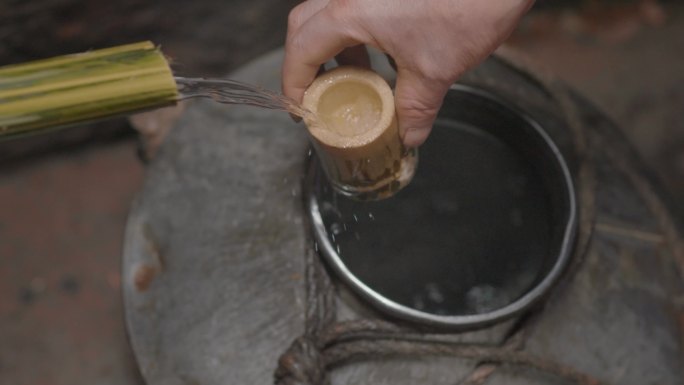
[(431, 41)]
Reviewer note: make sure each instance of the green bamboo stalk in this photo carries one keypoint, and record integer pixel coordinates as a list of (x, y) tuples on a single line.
[(70, 89)]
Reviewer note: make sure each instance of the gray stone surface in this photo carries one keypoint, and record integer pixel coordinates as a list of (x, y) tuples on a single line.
[(225, 238), (213, 260)]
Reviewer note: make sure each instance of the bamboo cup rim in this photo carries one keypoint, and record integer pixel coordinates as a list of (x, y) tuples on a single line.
[(335, 80)]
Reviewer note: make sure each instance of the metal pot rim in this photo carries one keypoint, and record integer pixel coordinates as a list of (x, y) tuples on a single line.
[(470, 321)]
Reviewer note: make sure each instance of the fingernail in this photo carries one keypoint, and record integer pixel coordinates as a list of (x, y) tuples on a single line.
[(413, 137), (295, 118)]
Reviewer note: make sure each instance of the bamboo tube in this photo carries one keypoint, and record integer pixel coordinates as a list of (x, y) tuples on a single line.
[(355, 133), (70, 89)]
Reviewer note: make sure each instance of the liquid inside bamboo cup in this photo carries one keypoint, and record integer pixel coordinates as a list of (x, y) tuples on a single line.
[(355, 133)]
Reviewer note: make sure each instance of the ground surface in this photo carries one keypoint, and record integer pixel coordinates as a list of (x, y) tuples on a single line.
[(62, 210)]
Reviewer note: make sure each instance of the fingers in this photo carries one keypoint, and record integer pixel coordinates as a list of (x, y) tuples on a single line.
[(417, 100), (303, 12), (354, 56), (315, 42)]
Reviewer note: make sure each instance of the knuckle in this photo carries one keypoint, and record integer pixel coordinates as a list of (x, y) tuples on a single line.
[(341, 4), (295, 18), (433, 69), (295, 43), (416, 108), (341, 9)]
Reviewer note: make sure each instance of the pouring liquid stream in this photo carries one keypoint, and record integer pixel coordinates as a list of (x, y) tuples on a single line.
[(347, 120), (229, 91), (346, 115)]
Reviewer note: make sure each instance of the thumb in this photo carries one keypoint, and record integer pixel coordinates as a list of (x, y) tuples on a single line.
[(417, 100)]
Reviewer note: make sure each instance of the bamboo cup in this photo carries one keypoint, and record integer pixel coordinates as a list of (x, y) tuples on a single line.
[(354, 129), (70, 89)]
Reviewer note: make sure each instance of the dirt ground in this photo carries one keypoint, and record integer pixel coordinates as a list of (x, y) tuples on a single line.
[(65, 196)]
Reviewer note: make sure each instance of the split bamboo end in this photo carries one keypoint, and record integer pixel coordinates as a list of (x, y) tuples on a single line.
[(75, 88)]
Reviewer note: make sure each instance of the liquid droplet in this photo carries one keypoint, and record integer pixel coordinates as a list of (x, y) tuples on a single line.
[(335, 228)]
